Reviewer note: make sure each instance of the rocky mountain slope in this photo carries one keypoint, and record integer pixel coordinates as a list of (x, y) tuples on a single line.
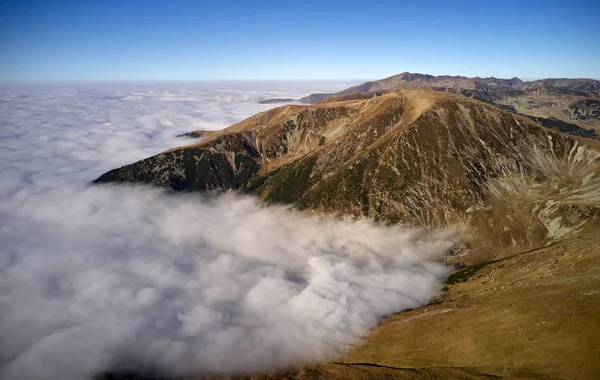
[(527, 199), (418, 157)]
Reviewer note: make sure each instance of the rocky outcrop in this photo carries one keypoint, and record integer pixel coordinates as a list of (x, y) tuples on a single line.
[(565, 127), (586, 109), (227, 162)]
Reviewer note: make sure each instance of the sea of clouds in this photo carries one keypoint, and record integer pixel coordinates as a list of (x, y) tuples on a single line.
[(110, 278)]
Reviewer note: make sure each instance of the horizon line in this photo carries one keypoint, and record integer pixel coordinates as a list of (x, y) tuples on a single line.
[(138, 80)]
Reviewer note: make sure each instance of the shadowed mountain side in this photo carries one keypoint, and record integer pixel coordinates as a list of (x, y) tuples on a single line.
[(568, 128), (228, 164), (423, 158)]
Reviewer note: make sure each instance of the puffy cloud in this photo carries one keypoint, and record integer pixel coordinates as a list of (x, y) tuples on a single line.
[(102, 278)]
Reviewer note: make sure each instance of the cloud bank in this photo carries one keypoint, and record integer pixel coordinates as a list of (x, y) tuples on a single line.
[(104, 278), (53, 134), (130, 278)]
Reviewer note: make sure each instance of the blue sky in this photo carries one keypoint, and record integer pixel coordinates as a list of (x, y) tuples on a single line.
[(232, 39)]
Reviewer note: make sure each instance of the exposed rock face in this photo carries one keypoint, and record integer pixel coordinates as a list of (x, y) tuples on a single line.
[(419, 157), (586, 109), (565, 127), (225, 163), (491, 81)]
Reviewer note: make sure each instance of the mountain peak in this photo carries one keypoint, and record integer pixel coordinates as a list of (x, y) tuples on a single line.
[(420, 156)]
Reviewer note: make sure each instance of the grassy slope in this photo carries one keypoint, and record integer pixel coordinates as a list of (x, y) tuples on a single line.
[(537, 311), (532, 315)]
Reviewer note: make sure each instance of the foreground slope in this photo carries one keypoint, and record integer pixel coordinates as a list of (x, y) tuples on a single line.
[(423, 158), (529, 316), (535, 311)]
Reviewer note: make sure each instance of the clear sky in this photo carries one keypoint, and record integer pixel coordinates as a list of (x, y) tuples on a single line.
[(309, 39)]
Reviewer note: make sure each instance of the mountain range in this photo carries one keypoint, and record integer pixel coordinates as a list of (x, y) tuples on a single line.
[(485, 155), (560, 103)]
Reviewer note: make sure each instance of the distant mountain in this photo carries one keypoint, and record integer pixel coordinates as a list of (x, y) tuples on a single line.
[(572, 101), (309, 99), (277, 100), (466, 83), (313, 98), (586, 109), (579, 84)]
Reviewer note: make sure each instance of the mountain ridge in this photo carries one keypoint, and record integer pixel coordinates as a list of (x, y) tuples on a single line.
[(525, 198), (564, 99), (419, 157)]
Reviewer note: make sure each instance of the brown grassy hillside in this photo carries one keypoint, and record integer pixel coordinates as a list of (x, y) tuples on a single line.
[(526, 198)]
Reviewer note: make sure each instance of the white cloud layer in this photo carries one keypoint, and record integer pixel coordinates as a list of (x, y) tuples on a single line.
[(56, 133), (102, 278)]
